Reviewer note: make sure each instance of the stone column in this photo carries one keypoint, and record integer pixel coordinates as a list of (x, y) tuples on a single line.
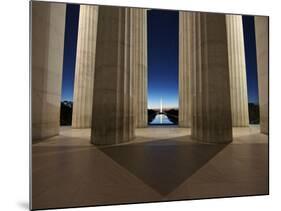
[(211, 108), (113, 119), (139, 65), (48, 23), (185, 64), (85, 67), (237, 68), (262, 28)]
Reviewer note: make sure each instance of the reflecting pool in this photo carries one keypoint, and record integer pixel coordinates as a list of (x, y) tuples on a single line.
[(161, 119)]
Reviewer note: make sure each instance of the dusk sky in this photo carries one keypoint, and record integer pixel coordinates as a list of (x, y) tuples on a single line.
[(70, 44), (251, 59), (162, 56), (163, 39)]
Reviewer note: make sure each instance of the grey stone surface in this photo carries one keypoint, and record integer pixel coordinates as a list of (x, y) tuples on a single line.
[(85, 67), (69, 171), (48, 23), (113, 117), (185, 66), (139, 64), (237, 68), (211, 107), (261, 27)]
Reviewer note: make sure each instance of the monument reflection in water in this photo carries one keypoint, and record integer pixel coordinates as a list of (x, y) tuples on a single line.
[(161, 117)]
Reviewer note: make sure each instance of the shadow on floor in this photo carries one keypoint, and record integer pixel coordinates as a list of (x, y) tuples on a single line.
[(69, 172), (164, 164)]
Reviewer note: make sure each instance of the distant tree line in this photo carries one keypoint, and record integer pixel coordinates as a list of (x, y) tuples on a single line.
[(151, 114), (254, 113), (172, 114), (66, 113)]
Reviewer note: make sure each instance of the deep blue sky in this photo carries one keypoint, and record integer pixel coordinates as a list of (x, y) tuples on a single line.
[(70, 44), (162, 38), (162, 56), (251, 59)]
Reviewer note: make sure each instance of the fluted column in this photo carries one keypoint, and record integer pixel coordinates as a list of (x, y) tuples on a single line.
[(139, 65), (211, 108), (85, 67), (237, 68), (113, 116), (185, 65), (48, 23), (261, 29)]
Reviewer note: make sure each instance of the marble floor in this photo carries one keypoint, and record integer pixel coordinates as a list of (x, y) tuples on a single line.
[(162, 163)]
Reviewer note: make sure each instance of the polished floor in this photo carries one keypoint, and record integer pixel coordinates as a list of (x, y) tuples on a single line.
[(162, 163)]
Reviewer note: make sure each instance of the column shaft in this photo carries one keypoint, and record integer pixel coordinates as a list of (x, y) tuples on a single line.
[(48, 23), (185, 65), (237, 68), (113, 117), (139, 65), (261, 28), (211, 109), (85, 67)]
